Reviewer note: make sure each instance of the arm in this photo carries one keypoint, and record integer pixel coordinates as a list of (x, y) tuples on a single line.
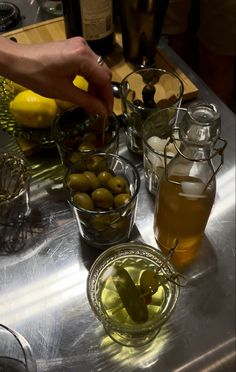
[(50, 68)]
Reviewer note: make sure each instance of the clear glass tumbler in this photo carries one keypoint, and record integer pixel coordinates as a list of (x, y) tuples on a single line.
[(157, 131), (129, 291), (143, 93), (110, 220)]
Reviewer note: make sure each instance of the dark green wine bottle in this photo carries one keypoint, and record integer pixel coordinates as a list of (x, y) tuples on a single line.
[(92, 19)]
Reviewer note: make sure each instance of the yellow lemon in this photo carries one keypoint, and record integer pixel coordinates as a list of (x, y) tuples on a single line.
[(33, 110), (79, 82)]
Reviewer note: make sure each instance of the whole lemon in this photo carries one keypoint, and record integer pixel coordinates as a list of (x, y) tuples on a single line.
[(33, 110), (79, 82)]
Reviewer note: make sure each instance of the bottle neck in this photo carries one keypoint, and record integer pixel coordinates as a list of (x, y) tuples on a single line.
[(196, 153)]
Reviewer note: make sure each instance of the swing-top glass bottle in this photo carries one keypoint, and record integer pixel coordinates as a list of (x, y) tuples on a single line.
[(188, 186)]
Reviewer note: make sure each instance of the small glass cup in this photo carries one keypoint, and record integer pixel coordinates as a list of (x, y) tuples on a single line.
[(116, 284), (15, 352), (14, 197), (102, 228), (143, 93), (156, 133), (77, 134)]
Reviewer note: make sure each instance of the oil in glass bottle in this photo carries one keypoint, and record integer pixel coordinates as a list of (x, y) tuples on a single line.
[(188, 185)]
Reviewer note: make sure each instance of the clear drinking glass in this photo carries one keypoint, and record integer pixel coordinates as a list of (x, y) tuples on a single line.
[(143, 93), (77, 134), (157, 131), (15, 352), (121, 278), (100, 227)]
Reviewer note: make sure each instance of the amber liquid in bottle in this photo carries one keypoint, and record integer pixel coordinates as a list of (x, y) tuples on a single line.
[(182, 214)]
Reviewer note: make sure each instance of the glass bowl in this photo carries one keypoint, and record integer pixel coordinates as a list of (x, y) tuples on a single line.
[(117, 294), (41, 136)]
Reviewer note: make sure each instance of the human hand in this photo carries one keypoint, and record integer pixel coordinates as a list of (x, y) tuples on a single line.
[(50, 68)]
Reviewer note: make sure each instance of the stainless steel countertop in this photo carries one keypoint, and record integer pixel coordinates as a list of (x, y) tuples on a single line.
[(43, 287)]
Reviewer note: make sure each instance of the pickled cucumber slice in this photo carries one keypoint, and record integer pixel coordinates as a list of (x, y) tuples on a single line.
[(129, 295)]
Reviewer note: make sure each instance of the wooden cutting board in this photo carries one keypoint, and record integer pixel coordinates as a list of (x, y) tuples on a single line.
[(54, 30)]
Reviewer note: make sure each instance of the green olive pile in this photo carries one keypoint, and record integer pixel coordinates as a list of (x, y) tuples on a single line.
[(101, 191), (75, 132)]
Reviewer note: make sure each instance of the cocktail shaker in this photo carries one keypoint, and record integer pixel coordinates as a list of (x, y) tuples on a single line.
[(141, 24)]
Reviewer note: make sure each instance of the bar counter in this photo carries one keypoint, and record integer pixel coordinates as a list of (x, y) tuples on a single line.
[(43, 285)]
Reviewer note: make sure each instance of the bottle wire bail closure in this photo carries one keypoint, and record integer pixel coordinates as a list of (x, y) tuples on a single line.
[(216, 151)]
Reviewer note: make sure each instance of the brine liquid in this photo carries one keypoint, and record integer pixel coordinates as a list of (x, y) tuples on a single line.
[(182, 212), (111, 301)]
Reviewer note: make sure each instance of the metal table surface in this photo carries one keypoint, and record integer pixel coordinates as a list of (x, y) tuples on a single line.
[(43, 286)]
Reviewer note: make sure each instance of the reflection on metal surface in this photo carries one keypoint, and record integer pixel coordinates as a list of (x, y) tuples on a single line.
[(212, 361), (226, 191), (59, 288), (124, 357)]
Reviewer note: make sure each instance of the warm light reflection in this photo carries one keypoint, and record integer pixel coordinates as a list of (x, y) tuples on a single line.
[(44, 294), (141, 357), (226, 192), (196, 363)]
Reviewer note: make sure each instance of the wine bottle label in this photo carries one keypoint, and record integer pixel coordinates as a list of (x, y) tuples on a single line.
[(97, 19)]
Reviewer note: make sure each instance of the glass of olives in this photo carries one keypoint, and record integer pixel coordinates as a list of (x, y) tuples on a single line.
[(131, 291), (143, 93), (76, 134), (102, 191)]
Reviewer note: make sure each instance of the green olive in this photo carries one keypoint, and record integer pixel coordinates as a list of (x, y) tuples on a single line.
[(86, 146), (101, 222), (78, 182), (102, 198), (96, 164), (121, 224), (149, 282), (90, 137), (74, 157), (83, 200), (121, 199), (117, 185), (93, 179), (104, 176)]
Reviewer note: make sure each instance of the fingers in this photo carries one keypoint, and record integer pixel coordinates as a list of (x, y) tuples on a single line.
[(91, 103), (99, 78), (97, 73)]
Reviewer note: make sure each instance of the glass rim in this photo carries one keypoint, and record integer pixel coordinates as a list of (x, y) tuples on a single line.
[(55, 127), (105, 258), (164, 71), (29, 362)]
